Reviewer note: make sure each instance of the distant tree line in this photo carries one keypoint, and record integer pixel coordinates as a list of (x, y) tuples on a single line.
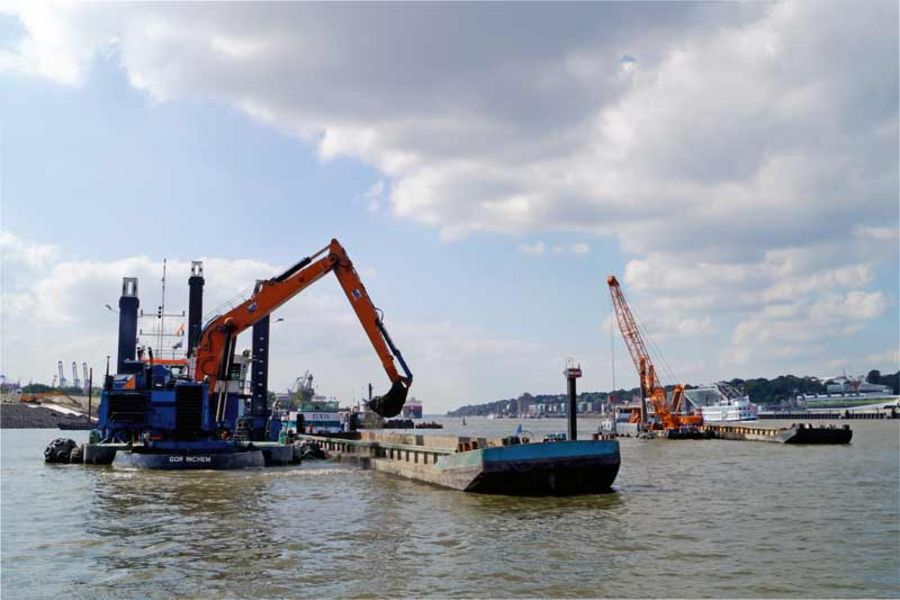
[(774, 391), (760, 391)]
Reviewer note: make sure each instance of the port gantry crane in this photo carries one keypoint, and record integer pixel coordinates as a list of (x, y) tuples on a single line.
[(669, 416), (63, 382), (87, 378), (213, 356), (75, 381)]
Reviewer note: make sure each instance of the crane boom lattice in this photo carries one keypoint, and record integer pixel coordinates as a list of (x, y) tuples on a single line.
[(651, 388)]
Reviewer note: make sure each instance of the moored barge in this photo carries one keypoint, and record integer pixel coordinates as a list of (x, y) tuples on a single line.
[(510, 466)]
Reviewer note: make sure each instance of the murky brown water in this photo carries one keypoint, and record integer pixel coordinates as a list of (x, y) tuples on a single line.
[(689, 519)]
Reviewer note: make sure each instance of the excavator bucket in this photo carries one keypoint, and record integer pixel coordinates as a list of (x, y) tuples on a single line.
[(391, 403)]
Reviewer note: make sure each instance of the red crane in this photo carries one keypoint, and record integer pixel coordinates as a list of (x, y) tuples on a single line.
[(651, 388)]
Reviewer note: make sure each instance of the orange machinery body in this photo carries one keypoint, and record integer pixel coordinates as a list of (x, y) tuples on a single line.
[(215, 348), (651, 387)]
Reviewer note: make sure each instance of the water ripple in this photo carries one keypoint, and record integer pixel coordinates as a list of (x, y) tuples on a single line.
[(688, 519)]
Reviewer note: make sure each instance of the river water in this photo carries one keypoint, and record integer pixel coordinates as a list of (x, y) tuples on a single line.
[(688, 519)]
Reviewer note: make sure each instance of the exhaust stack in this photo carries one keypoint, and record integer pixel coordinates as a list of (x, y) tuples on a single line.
[(195, 305), (128, 324)]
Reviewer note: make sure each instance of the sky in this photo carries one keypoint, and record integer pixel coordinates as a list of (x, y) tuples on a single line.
[(486, 166)]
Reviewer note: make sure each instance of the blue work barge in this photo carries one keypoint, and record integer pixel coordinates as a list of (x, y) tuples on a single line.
[(193, 413), (153, 415)]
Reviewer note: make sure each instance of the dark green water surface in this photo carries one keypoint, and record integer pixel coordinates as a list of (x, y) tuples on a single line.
[(688, 519)]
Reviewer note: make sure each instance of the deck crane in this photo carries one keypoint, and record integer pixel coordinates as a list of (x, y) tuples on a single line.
[(212, 358), (651, 388)]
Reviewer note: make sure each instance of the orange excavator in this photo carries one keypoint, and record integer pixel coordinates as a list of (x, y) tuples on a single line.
[(212, 359), (669, 415)]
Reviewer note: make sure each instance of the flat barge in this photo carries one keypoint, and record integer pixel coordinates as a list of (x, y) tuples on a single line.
[(796, 434), (483, 465)]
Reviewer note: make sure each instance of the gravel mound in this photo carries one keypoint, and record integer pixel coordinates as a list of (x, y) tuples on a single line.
[(19, 416)]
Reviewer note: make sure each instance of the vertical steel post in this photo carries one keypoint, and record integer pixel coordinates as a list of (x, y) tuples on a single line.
[(128, 324), (195, 305), (259, 397), (90, 385), (572, 373)]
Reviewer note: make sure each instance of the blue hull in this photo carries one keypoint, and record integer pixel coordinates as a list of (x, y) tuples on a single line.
[(189, 461), (548, 469)]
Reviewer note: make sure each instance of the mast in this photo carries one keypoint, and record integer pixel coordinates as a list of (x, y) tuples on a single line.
[(162, 314)]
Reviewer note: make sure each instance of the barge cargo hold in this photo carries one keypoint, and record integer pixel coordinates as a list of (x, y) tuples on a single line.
[(482, 465)]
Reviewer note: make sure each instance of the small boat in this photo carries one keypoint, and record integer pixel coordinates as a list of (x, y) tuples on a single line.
[(464, 422)]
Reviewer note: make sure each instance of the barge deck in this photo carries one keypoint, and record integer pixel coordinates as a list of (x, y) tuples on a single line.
[(483, 465)]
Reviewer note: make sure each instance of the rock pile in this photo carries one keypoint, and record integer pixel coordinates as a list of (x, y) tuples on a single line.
[(20, 416)]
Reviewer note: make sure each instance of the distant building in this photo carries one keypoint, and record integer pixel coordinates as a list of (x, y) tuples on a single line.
[(524, 404), (850, 385)]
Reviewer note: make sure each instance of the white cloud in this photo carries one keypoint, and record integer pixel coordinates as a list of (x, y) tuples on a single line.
[(745, 155), (374, 196), (538, 248), (853, 305), (59, 314), (735, 111), (15, 252), (887, 361), (535, 249)]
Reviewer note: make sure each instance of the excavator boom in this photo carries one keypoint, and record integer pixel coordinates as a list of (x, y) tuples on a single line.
[(214, 352)]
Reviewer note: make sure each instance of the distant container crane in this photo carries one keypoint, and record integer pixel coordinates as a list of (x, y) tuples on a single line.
[(86, 379), (75, 381), (63, 382)]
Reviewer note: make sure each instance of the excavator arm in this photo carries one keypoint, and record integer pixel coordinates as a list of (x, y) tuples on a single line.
[(214, 352)]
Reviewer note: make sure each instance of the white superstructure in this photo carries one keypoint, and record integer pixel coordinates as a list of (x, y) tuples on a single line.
[(721, 402)]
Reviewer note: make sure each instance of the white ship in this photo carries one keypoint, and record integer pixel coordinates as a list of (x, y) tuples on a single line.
[(721, 402)]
